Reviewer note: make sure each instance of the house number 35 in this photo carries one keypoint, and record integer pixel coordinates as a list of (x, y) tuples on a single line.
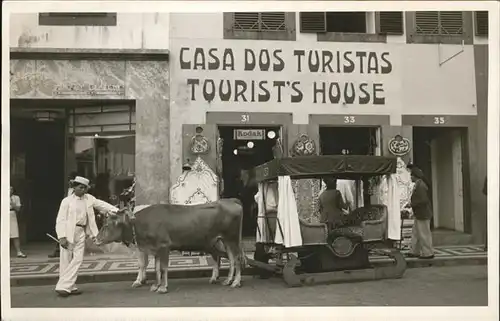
[(439, 120)]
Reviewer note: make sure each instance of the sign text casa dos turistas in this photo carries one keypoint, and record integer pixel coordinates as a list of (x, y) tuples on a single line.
[(311, 76)]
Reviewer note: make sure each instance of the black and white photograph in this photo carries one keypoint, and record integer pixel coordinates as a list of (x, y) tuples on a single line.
[(250, 159)]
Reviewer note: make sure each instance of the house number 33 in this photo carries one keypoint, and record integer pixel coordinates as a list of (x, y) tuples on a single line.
[(349, 119)]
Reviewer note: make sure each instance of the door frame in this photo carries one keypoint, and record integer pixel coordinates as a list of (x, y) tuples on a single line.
[(253, 119), (352, 120), (467, 124)]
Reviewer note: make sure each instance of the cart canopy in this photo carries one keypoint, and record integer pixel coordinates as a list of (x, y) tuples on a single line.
[(340, 166)]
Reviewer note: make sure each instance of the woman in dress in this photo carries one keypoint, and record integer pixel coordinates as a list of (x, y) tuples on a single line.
[(15, 207)]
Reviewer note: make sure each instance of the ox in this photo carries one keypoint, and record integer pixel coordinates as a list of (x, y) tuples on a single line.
[(213, 228)]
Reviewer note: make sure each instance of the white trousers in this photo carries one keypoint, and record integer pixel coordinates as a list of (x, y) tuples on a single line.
[(421, 238), (70, 261)]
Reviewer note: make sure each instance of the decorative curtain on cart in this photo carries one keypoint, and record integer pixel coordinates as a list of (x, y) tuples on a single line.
[(288, 216), (267, 200), (389, 195)]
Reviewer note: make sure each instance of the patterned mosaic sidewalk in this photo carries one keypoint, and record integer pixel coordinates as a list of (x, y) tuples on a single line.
[(29, 268)]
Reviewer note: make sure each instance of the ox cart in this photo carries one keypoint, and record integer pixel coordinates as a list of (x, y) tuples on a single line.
[(322, 255)]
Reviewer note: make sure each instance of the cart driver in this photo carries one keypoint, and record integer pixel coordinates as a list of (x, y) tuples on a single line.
[(332, 207)]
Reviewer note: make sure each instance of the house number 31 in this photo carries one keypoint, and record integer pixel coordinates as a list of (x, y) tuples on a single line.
[(245, 118)]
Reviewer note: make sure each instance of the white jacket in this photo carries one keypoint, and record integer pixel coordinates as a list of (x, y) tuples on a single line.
[(66, 217)]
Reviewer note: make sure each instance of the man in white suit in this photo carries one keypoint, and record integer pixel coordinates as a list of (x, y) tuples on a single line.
[(75, 220)]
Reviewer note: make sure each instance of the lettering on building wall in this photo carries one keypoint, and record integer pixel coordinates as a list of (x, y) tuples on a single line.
[(249, 134), (89, 89), (354, 84)]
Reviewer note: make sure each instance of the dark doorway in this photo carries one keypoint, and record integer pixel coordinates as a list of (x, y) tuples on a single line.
[(39, 149), (439, 153), (237, 156), (350, 140)]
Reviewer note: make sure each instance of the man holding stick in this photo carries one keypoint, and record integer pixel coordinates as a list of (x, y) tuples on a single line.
[(75, 220)]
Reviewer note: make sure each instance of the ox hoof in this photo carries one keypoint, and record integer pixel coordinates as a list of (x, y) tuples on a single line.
[(154, 288), (236, 285), (213, 280), (227, 282), (162, 290), (137, 284)]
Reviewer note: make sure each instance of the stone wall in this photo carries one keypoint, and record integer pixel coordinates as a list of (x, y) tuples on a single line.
[(143, 82)]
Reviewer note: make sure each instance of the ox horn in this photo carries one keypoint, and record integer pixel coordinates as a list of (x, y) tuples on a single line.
[(109, 213)]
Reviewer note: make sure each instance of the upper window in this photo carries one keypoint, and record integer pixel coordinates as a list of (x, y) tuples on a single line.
[(349, 22), (259, 21), (351, 26), (259, 25), (390, 22), (445, 27), (481, 25), (77, 19), (439, 23)]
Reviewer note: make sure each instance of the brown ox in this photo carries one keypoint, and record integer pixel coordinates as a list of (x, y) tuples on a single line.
[(213, 228)]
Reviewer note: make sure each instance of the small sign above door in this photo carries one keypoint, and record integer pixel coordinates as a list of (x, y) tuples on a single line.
[(249, 134)]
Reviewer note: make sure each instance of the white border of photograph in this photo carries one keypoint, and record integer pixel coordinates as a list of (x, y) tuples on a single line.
[(275, 313)]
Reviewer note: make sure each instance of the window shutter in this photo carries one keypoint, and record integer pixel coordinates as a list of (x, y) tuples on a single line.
[(77, 14), (427, 22), (451, 22), (260, 21), (77, 19), (248, 21), (482, 23), (273, 21), (391, 22), (312, 22)]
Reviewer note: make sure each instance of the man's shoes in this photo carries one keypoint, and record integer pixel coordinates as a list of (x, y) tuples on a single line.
[(430, 257), (21, 255), (412, 255), (63, 294), (76, 292)]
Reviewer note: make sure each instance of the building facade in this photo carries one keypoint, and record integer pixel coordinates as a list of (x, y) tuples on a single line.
[(89, 95), (412, 84)]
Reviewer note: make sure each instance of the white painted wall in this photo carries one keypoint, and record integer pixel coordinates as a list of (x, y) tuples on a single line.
[(133, 31), (417, 84)]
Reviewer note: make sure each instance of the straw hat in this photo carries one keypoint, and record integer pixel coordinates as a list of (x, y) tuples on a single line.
[(81, 180)]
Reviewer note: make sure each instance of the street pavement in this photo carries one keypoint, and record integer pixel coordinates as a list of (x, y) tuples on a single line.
[(433, 286), (37, 269)]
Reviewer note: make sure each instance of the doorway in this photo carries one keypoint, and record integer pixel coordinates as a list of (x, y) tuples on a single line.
[(439, 152), (243, 149), (37, 160), (349, 140)]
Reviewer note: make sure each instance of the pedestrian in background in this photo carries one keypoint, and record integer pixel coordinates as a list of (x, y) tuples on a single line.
[(75, 220), (421, 239), (15, 208)]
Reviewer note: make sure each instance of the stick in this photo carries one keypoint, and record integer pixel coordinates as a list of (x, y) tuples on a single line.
[(55, 239), (52, 237)]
